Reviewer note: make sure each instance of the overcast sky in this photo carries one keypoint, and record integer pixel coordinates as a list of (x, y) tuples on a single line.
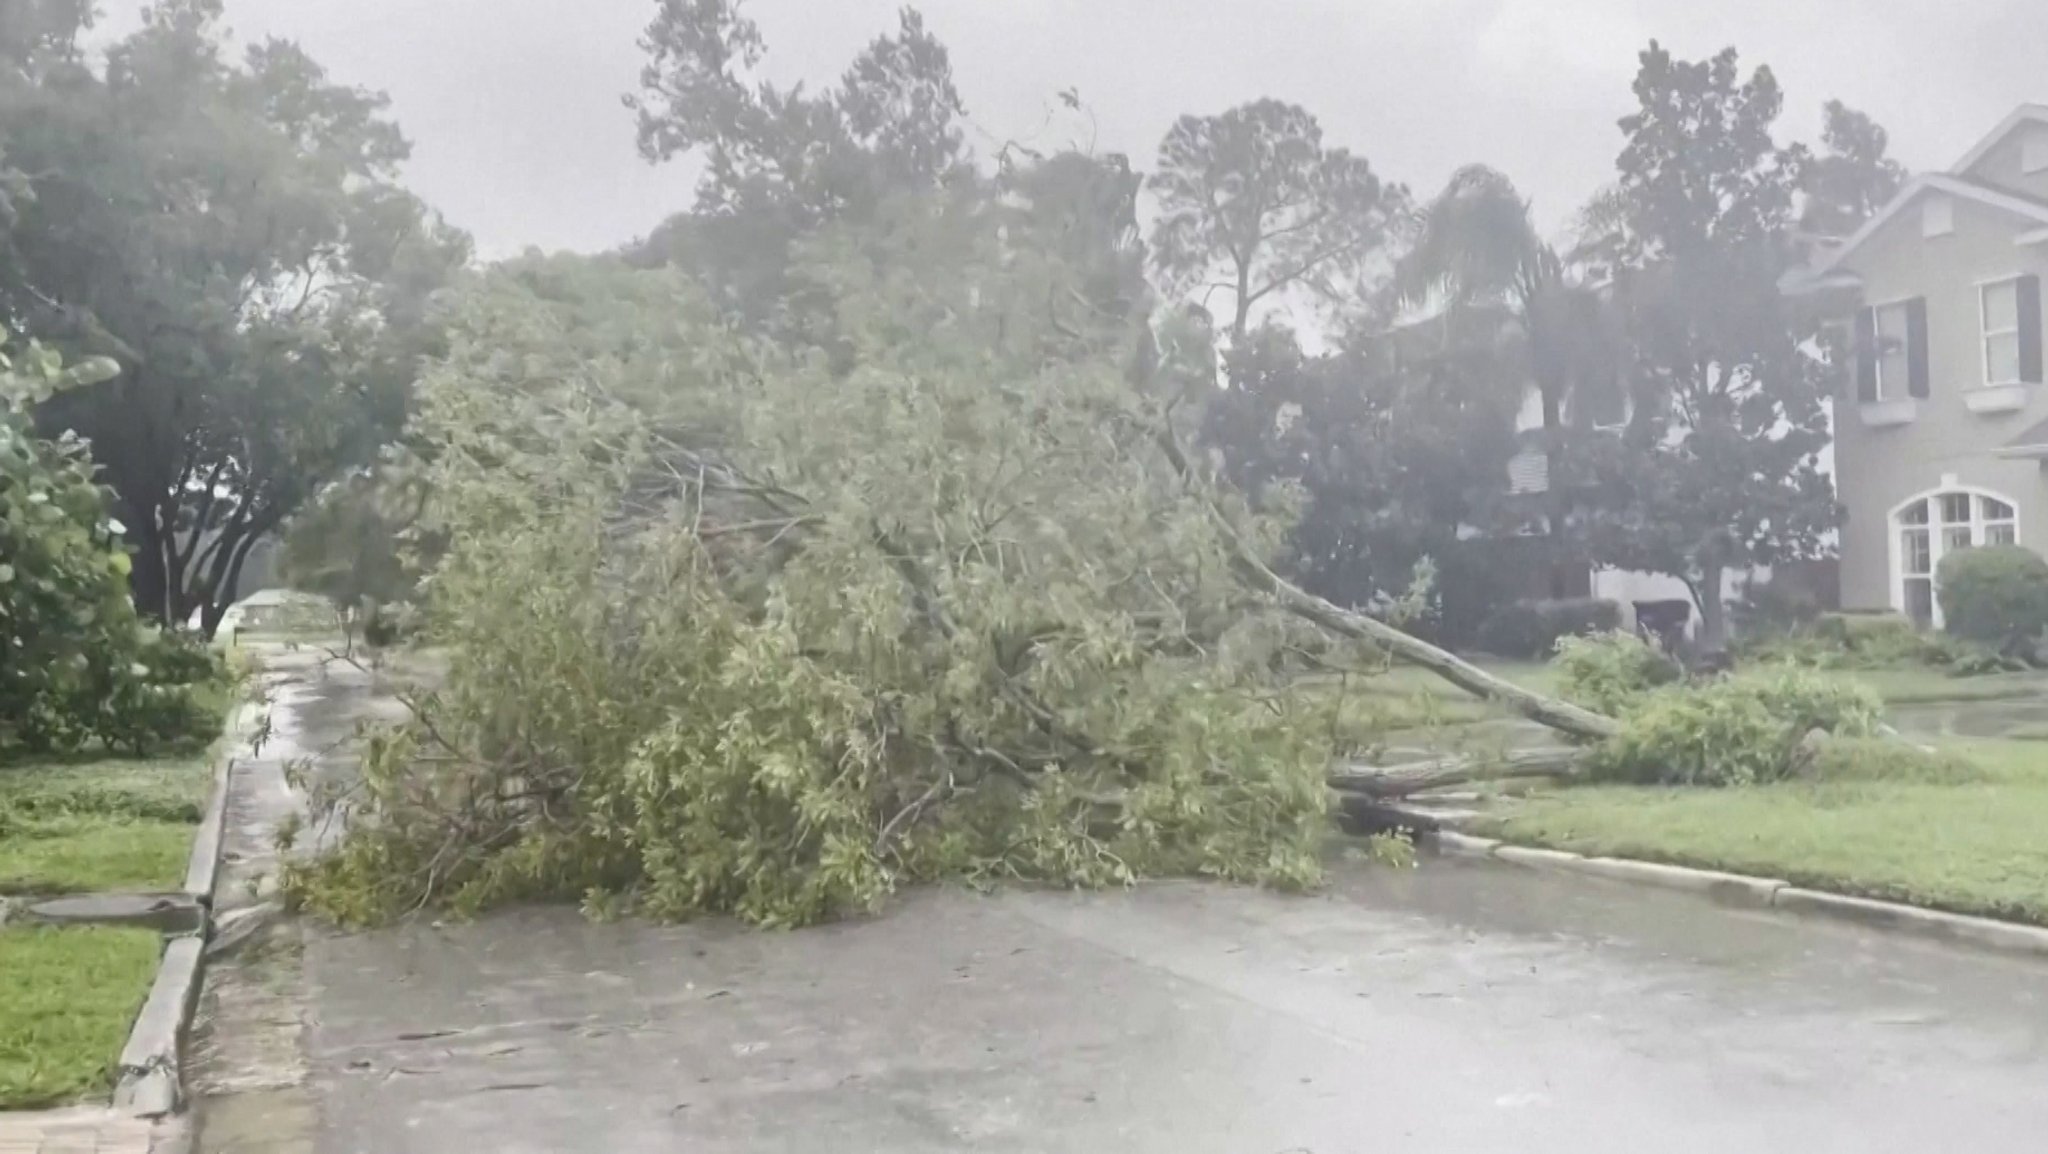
[(520, 137)]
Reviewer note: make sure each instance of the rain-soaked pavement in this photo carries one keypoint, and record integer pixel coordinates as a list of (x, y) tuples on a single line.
[(1460, 1007)]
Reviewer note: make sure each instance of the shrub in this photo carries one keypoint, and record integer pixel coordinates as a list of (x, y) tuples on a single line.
[(1775, 609), (1611, 673), (1735, 731), (1861, 641), (1531, 629), (75, 663), (1996, 596)]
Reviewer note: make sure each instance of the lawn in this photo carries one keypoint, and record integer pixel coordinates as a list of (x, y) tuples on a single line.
[(70, 996), (79, 825), (69, 826), (1407, 699), (1974, 843), (1978, 845)]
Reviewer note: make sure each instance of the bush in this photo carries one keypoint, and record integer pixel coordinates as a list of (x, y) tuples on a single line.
[(1862, 641), (1530, 630), (1776, 608), (1996, 596), (1611, 673), (76, 665), (1739, 730)]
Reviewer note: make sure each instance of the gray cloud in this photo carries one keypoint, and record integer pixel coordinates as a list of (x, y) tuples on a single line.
[(514, 105)]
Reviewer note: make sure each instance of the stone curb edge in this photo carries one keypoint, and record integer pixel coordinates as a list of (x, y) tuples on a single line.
[(151, 1083), (204, 864), (1760, 893)]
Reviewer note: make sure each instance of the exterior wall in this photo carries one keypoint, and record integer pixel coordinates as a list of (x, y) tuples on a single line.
[(2001, 167), (1878, 469)]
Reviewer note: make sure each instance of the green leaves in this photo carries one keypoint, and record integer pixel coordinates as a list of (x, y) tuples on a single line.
[(761, 631), (72, 652), (1252, 198), (233, 245)]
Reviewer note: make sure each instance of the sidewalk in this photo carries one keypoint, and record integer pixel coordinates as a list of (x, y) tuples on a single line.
[(93, 1130)]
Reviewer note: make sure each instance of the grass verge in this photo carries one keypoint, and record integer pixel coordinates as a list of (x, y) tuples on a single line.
[(70, 826), (1970, 845), (71, 994)]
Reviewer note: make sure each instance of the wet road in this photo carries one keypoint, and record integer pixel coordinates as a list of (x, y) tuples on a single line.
[(1461, 1007)]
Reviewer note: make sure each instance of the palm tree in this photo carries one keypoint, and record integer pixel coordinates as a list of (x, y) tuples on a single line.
[(1478, 258)]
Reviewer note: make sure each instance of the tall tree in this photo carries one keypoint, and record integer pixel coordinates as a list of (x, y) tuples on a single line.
[(1392, 447), (1253, 203), (231, 233), (1855, 177), (779, 163), (1082, 210), (1720, 466), (1480, 262)]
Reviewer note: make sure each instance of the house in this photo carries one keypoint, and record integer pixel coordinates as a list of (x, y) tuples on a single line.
[(1634, 591), (1942, 441)]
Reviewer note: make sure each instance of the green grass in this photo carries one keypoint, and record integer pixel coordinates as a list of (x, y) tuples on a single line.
[(1933, 686), (71, 995), (1407, 698), (1974, 845), (70, 826)]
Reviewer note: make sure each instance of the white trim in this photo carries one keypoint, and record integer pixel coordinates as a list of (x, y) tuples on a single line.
[(2028, 239), (1987, 399), (1914, 188), (1885, 414), (2024, 114), (1935, 528)]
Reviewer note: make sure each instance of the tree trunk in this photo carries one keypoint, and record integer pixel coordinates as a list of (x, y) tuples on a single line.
[(223, 595), (1416, 777), (148, 579), (1713, 610), (1549, 711), (1558, 495), (1241, 323)]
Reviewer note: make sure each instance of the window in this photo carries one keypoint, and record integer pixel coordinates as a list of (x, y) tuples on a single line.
[(1927, 529), (1938, 217), (1894, 365), (2000, 307)]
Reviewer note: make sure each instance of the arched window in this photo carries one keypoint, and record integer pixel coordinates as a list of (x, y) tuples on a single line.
[(1933, 525)]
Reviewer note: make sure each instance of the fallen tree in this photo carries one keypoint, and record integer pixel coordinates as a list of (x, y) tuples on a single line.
[(770, 631), (757, 630), (1415, 777)]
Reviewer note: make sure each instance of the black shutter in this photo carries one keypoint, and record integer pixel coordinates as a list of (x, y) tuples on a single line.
[(1916, 347), (1866, 355), (2030, 329)]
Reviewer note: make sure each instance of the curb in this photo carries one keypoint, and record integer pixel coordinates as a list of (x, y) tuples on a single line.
[(151, 1083), (204, 864), (1761, 893)]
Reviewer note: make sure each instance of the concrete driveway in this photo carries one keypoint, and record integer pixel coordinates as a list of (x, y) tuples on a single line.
[(1460, 1007)]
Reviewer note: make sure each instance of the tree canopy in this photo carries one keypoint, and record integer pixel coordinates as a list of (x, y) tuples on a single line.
[(1720, 466), (231, 233), (1253, 203)]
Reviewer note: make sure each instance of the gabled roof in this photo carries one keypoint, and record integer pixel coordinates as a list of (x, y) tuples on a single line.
[(2024, 114), (2024, 207)]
